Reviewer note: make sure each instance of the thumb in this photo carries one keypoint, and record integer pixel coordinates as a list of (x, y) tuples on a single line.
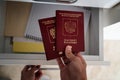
[(68, 52)]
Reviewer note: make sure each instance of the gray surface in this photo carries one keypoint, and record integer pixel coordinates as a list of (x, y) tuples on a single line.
[(94, 33), (2, 15), (70, 1), (2, 78)]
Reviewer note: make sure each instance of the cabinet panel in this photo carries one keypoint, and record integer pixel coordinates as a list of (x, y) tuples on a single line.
[(84, 3), (2, 17), (93, 40)]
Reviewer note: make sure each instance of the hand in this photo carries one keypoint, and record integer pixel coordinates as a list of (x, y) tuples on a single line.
[(31, 72), (73, 67)]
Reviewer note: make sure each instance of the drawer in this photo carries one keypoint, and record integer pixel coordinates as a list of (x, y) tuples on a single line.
[(93, 38)]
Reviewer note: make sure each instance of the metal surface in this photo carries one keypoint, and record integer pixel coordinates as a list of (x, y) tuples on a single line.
[(64, 1)]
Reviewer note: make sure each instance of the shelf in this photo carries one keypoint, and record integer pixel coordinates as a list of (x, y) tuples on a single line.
[(16, 56), (52, 63), (10, 59), (83, 3)]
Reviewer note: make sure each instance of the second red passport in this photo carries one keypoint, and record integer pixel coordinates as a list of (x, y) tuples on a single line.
[(47, 27), (69, 30)]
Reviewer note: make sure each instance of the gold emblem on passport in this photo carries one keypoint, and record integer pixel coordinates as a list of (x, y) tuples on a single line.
[(69, 27), (52, 32)]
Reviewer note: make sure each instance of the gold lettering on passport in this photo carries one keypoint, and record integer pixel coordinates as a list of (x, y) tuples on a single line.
[(52, 32), (70, 41), (48, 22), (70, 26), (70, 15)]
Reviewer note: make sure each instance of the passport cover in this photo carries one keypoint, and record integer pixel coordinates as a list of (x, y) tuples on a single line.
[(47, 27), (69, 30)]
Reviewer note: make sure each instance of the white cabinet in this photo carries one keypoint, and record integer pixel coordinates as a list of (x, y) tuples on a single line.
[(94, 54), (85, 3)]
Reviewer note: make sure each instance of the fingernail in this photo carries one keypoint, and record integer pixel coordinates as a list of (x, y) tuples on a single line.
[(69, 49)]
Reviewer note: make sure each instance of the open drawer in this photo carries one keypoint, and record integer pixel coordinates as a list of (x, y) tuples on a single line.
[(93, 37)]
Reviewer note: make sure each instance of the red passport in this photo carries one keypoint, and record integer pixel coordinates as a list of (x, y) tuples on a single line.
[(69, 30), (47, 27)]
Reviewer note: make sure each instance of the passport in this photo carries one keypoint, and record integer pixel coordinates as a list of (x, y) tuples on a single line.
[(69, 31), (47, 27)]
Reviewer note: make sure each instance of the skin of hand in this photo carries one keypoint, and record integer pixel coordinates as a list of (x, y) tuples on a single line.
[(31, 72), (75, 69)]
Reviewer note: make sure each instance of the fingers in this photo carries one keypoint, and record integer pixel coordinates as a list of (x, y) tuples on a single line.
[(68, 53), (25, 68), (81, 58), (71, 56), (35, 68), (38, 74), (65, 60), (32, 68), (60, 63)]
